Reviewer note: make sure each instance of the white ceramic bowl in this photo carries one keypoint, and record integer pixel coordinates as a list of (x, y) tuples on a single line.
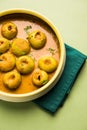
[(43, 90)]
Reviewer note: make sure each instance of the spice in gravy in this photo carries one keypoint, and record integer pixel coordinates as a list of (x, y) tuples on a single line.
[(25, 25)]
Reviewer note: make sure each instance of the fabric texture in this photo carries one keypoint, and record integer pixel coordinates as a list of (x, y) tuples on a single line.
[(57, 95)]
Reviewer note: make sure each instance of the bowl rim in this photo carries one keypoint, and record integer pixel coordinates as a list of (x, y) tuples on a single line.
[(61, 62)]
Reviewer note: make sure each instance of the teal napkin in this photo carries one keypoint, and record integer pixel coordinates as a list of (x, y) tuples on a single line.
[(56, 97)]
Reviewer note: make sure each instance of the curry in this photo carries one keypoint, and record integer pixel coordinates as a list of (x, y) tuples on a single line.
[(48, 46)]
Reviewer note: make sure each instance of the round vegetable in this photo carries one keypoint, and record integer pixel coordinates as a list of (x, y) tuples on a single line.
[(4, 45), (20, 47), (9, 30), (48, 64), (37, 39), (40, 77), (7, 62), (25, 64), (12, 79)]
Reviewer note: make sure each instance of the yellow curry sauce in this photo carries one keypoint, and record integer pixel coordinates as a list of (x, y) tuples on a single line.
[(51, 48)]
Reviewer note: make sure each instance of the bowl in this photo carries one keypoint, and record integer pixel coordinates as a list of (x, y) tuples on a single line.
[(12, 97)]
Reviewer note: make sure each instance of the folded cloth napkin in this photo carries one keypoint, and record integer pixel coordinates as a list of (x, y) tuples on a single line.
[(57, 95)]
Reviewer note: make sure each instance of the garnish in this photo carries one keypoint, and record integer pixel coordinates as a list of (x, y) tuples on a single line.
[(31, 55), (27, 28), (44, 82), (51, 50)]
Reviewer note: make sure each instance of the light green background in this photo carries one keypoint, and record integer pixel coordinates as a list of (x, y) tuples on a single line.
[(70, 17)]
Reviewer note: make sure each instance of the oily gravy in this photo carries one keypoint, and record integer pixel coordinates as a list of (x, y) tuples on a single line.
[(51, 47)]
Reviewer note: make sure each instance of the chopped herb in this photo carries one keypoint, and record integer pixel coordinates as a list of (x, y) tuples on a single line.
[(23, 52), (44, 82), (31, 55), (51, 50), (26, 29), (34, 59)]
